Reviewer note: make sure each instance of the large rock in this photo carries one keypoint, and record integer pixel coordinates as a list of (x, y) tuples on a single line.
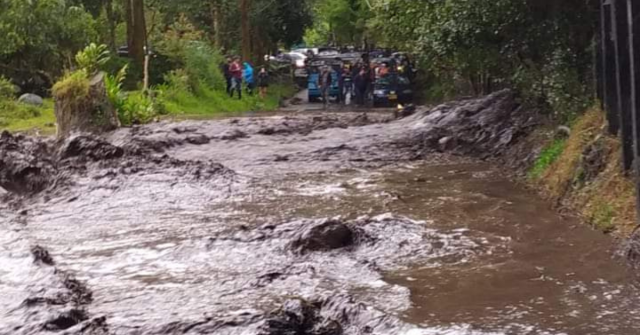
[(93, 113), (327, 235), (31, 99)]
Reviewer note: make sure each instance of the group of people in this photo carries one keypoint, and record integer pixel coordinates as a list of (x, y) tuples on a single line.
[(355, 80), (237, 73)]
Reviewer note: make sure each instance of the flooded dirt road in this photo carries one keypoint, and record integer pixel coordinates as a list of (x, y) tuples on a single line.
[(313, 223)]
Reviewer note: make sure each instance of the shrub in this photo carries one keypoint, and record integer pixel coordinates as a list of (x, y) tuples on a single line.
[(92, 58), (7, 89), (138, 108), (202, 65), (74, 84), (113, 84), (176, 81)]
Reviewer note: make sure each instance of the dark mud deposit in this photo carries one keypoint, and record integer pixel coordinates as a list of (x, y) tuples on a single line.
[(321, 224)]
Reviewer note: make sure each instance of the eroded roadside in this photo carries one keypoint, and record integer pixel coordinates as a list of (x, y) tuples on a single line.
[(301, 224)]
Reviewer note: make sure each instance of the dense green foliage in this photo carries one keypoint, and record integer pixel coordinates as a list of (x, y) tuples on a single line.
[(542, 47), (341, 22)]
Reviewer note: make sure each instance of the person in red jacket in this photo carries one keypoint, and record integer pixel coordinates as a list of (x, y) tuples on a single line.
[(236, 77)]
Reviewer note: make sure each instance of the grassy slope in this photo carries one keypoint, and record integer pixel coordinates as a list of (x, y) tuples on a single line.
[(606, 200), (43, 124), (212, 103), (184, 106)]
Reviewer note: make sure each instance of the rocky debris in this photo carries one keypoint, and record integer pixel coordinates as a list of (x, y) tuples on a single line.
[(60, 303), (31, 99), (594, 160), (335, 315), (323, 236), (42, 255), (295, 101), (91, 147), (198, 139), (485, 127), (232, 135), (631, 249), (26, 166), (66, 320), (298, 316), (151, 145), (406, 111), (184, 130), (563, 132), (281, 158), (29, 165)]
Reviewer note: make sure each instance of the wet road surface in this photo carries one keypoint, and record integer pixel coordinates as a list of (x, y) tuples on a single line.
[(443, 245)]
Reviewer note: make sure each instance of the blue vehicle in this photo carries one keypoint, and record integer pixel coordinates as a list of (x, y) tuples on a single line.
[(313, 84)]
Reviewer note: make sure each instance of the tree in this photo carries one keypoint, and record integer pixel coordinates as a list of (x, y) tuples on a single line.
[(136, 30), (38, 39), (245, 25)]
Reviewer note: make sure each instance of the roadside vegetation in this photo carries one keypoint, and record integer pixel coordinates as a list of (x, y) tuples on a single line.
[(585, 175), (53, 47)]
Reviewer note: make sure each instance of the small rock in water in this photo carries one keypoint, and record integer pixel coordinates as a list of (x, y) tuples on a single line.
[(233, 135), (198, 139)]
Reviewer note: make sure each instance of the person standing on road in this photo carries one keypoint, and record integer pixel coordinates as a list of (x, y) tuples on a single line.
[(249, 78), (236, 77), (227, 73), (361, 82), (340, 81), (347, 84), (263, 82), (325, 84)]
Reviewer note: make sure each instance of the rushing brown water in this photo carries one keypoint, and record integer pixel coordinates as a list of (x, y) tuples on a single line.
[(443, 245)]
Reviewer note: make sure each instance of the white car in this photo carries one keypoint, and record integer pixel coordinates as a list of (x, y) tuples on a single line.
[(297, 59)]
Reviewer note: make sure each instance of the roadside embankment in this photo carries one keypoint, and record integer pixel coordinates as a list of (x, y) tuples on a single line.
[(582, 173)]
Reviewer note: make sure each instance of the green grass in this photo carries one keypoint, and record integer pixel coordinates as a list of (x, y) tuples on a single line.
[(215, 103), (548, 156), (603, 218), (16, 117)]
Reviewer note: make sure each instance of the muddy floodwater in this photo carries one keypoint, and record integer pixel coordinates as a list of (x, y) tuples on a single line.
[(211, 231)]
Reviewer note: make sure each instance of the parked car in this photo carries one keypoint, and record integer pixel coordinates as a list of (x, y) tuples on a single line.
[(391, 90), (299, 66)]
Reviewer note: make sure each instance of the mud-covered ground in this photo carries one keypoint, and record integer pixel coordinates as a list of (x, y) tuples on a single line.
[(305, 223)]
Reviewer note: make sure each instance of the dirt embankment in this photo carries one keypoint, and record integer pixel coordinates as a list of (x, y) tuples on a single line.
[(586, 175)]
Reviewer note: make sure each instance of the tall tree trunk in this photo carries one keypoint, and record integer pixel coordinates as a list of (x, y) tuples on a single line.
[(111, 22), (245, 6), (215, 18), (136, 30)]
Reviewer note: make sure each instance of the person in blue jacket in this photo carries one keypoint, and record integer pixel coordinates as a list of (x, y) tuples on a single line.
[(249, 78)]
